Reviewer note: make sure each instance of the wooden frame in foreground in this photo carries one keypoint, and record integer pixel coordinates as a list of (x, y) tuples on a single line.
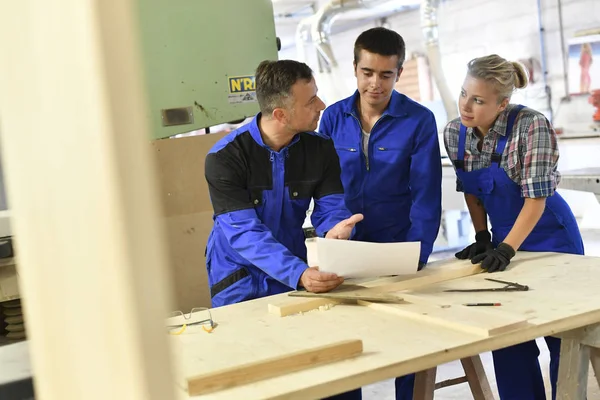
[(81, 187)]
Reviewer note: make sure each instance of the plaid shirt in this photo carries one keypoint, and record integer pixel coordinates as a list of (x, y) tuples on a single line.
[(529, 158)]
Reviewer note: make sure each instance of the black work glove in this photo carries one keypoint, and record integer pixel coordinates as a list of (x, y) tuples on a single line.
[(496, 259), (483, 243)]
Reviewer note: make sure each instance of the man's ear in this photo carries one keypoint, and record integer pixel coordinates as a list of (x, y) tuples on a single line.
[(399, 73), (279, 115), (354, 65)]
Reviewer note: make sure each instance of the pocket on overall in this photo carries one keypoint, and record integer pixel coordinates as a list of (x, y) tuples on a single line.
[(478, 183), (557, 230), (257, 199)]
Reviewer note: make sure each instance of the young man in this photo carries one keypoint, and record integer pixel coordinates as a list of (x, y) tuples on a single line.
[(261, 178), (389, 154)]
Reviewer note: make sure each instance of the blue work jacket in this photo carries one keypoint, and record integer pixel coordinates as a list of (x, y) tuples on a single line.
[(260, 198), (399, 191)]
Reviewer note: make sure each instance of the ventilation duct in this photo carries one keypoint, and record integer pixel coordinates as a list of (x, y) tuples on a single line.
[(324, 18), (429, 25), (319, 26)]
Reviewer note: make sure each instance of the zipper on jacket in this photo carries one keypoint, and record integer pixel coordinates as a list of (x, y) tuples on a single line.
[(361, 139), (278, 170)]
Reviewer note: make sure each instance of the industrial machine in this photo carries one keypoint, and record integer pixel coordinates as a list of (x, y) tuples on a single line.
[(200, 61)]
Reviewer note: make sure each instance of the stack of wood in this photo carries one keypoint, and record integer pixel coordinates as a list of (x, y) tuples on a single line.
[(12, 317)]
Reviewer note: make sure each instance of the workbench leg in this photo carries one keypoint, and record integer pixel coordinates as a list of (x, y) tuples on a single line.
[(425, 384), (478, 382), (573, 370), (595, 359)]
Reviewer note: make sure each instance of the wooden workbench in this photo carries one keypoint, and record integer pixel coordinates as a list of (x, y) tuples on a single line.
[(564, 296)]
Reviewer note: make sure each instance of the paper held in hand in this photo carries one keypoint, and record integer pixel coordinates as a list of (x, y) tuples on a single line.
[(354, 259)]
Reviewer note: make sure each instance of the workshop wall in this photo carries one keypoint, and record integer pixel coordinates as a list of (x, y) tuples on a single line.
[(469, 28)]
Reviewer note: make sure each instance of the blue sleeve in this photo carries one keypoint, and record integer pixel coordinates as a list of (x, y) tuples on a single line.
[(328, 212), (325, 125), (236, 217), (247, 235), (426, 188), (329, 207)]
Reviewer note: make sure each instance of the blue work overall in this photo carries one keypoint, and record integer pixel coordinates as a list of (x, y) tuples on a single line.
[(517, 368)]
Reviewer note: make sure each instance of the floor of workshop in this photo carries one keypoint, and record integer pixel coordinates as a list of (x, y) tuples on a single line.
[(385, 390)]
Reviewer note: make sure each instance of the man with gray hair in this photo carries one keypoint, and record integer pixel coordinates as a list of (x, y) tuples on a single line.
[(262, 178)]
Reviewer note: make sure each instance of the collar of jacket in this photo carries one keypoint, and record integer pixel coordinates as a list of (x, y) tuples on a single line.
[(395, 108), (255, 132)]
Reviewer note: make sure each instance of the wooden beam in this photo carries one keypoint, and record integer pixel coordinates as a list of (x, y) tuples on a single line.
[(381, 298), (272, 367), (91, 256), (573, 370), (477, 378)]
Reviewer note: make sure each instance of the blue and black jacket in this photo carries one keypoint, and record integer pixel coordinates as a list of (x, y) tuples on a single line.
[(260, 198), (400, 191)]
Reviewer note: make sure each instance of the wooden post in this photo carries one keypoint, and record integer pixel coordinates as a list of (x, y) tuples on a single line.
[(81, 185), (477, 378), (424, 384), (577, 348), (595, 359)]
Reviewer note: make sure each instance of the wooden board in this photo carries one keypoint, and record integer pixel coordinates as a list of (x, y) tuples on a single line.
[(92, 263), (467, 319), (272, 367), (380, 298)]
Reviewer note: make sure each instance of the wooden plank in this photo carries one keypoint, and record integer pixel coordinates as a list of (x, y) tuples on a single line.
[(424, 278), (466, 319), (573, 370), (454, 270), (91, 256), (424, 384), (273, 367), (478, 382), (380, 298)]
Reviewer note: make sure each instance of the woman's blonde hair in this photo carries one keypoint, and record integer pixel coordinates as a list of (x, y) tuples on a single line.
[(505, 75)]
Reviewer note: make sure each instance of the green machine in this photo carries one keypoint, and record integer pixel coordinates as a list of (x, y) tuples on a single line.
[(200, 57)]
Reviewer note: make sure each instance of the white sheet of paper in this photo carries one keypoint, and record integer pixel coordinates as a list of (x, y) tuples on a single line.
[(354, 259)]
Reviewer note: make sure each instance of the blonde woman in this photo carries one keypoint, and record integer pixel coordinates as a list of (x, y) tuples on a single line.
[(505, 157)]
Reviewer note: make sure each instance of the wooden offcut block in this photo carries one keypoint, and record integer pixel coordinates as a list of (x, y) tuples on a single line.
[(273, 367)]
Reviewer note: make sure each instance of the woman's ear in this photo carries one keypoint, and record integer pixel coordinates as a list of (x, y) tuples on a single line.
[(504, 104)]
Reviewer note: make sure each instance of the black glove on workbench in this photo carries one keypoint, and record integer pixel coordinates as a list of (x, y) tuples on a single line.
[(496, 259), (483, 243)]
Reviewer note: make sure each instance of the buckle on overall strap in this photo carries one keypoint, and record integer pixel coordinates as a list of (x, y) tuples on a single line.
[(459, 164), (496, 158)]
